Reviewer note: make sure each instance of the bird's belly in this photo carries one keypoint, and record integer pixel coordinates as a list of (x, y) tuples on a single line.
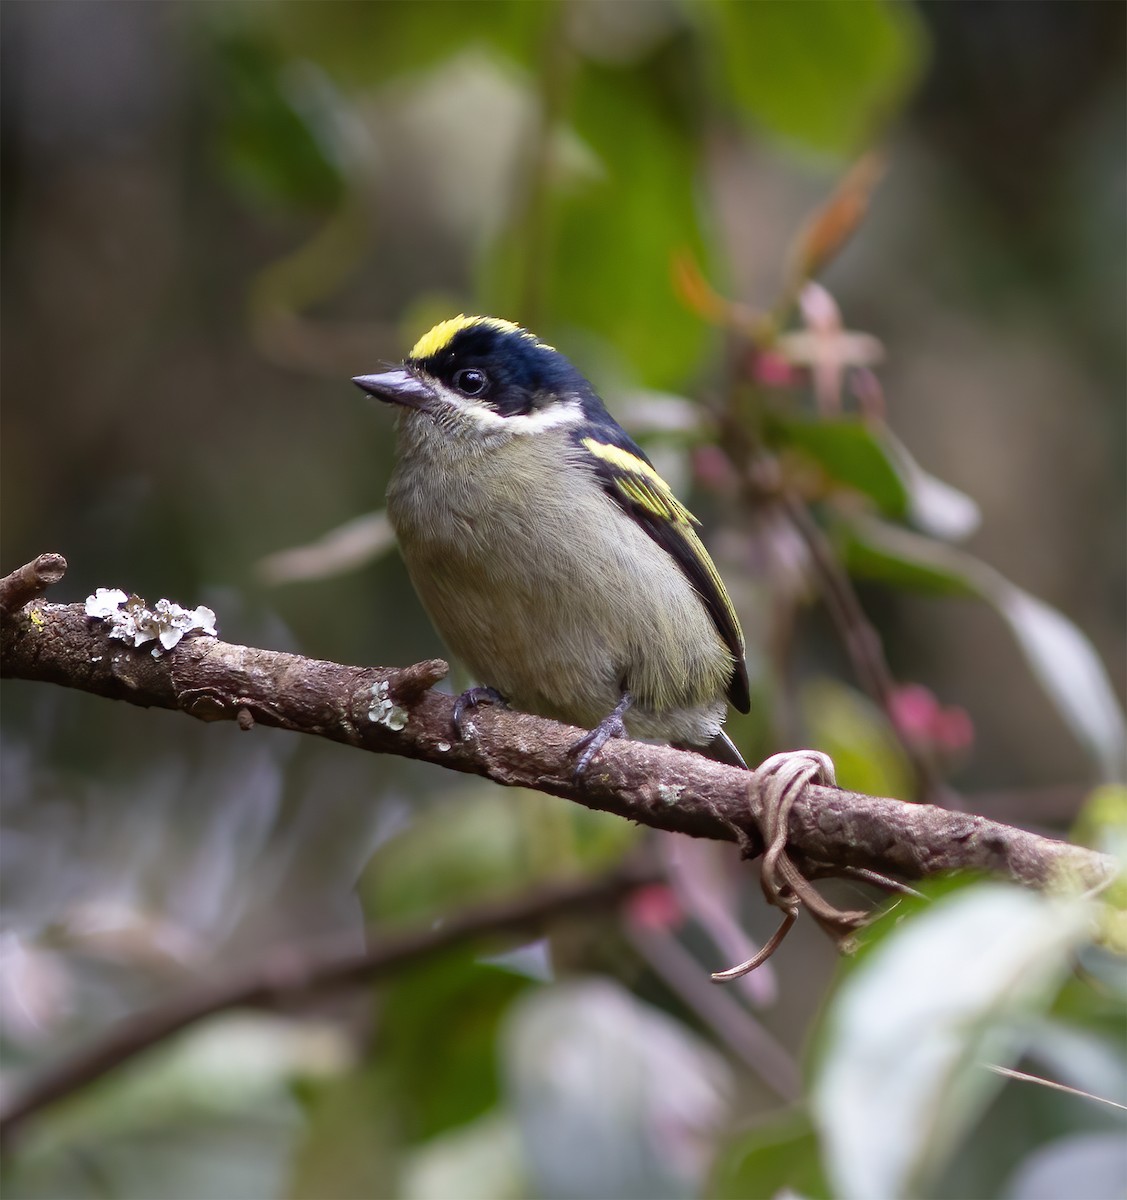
[(562, 626)]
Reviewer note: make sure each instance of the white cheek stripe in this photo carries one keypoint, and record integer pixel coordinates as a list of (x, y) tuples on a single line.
[(569, 412)]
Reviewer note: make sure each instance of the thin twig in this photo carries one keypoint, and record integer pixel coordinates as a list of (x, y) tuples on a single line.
[(292, 973), (762, 481), (29, 582), (861, 641), (859, 875), (731, 1022), (1023, 1077)]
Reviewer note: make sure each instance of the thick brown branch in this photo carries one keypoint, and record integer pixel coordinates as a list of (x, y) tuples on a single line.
[(390, 711), (292, 973)]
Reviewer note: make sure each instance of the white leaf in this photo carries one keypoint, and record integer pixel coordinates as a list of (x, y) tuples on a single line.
[(934, 507), (902, 1077), (1092, 1165), (1060, 656), (612, 1097), (1069, 670)]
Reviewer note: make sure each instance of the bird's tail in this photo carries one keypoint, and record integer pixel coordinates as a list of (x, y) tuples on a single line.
[(721, 749)]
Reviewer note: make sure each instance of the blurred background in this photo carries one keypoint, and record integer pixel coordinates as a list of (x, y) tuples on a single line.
[(214, 215)]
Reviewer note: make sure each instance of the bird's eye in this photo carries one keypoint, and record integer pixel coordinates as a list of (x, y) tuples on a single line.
[(470, 382)]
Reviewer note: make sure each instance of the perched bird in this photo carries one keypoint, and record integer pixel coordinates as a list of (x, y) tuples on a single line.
[(551, 556)]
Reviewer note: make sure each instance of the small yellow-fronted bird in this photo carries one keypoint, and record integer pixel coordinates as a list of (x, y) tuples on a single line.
[(551, 556)]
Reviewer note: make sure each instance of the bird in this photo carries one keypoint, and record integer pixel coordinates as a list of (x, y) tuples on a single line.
[(552, 558)]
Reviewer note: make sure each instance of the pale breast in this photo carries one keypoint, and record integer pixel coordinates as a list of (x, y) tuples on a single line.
[(558, 601)]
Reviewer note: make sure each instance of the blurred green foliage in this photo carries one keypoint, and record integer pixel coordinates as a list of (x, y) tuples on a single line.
[(457, 1004), (824, 75), (265, 148), (782, 1155), (213, 216)]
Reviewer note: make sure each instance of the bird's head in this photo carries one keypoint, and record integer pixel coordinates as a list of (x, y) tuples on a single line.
[(488, 376)]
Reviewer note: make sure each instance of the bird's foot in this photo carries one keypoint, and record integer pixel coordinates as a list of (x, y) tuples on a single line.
[(470, 699), (611, 726)]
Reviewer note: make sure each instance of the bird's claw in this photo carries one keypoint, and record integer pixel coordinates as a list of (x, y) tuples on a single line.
[(611, 726), (470, 699)]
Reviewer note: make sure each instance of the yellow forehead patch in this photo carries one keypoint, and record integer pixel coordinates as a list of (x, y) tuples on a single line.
[(444, 333)]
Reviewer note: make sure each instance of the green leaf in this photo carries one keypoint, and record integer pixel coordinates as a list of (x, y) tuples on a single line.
[(1102, 823), (265, 146), (351, 1145), (367, 44), (872, 460), (901, 1077), (873, 558), (602, 261), (454, 853), (1059, 655), (482, 842), (933, 506), (445, 1014), (850, 453), (856, 735), (778, 1159), (821, 72), (480, 1160)]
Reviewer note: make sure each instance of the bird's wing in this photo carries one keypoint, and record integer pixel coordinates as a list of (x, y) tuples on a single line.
[(634, 484)]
